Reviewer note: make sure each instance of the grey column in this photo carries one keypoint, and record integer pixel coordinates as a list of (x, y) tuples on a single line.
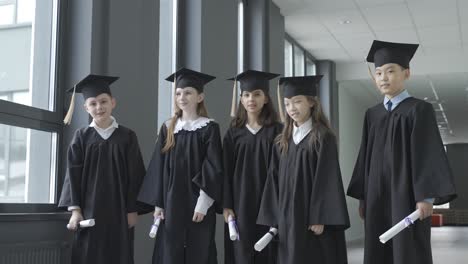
[(264, 35), (256, 28), (329, 91)]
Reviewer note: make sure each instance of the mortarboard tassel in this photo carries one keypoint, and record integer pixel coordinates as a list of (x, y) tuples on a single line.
[(68, 117), (234, 99), (280, 104)]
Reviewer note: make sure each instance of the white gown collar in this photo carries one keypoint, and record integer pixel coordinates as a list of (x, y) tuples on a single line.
[(190, 125)]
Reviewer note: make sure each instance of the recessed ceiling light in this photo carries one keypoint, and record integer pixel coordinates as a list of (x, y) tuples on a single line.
[(345, 22)]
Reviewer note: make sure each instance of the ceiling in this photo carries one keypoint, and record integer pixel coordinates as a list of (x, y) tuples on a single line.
[(343, 30)]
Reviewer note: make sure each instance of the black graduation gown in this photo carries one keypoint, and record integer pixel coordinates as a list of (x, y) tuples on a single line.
[(173, 182), (103, 178), (305, 188), (401, 161), (246, 159)]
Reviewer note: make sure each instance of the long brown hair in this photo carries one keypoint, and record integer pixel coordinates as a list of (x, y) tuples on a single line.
[(267, 116), (170, 139), (319, 128)]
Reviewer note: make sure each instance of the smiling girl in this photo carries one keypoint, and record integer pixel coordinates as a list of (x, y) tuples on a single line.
[(304, 196), (247, 149), (184, 177)]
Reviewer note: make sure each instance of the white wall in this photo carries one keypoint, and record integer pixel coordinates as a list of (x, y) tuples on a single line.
[(351, 117)]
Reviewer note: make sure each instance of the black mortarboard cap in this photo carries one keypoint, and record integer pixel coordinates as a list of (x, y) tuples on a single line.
[(251, 80), (91, 86), (304, 85), (94, 85), (382, 52), (188, 78)]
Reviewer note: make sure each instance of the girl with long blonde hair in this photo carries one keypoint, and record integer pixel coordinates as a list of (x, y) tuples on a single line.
[(184, 178)]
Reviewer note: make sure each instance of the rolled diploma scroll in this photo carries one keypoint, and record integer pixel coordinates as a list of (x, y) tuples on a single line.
[(407, 221), (154, 227), (233, 234), (266, 239), (85, 223)]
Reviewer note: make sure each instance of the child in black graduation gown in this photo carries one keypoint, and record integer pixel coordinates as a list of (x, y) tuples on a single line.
[(184, 178), (304, 196), (104, 173), (247, 149), (402, 164)]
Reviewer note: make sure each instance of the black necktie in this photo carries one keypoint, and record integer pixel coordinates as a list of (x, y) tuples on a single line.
[(389, 105)]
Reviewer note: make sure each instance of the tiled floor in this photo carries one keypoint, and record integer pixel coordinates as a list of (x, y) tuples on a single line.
[(449, 246)]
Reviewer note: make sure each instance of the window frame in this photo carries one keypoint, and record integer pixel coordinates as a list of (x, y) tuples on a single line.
[(307, 55), (19, 115)]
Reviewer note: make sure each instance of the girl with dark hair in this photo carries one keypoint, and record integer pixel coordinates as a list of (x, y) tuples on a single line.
[(247, 149)]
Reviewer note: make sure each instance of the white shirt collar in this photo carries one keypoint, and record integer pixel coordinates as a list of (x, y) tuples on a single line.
[(105, 133), (190, 125), (252, 130), (397, 99), (299, 133)]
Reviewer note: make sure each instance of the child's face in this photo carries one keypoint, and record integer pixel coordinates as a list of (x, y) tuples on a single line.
[(188, 98), (100, 107), (253, 101), (390, 79), (298, 108)]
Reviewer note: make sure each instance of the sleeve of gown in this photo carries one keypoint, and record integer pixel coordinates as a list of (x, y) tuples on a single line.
[(136, 172), (152, 188), (357, 184), (71, 191), (327, 205), (268, 213), (210, 178), (430, 170), (229, 161)]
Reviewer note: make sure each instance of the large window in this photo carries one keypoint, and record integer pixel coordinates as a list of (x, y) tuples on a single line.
[(240, 37), (27, 162), (297, 61), (30, 125), (310, 67), (27, 51), (288, 58)]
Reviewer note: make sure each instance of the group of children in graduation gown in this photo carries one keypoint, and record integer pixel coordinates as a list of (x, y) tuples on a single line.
[(267, 176)]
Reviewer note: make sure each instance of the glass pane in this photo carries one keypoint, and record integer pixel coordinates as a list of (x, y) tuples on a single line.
[(27, 165), (28, 56), (310, 67), (298, 61), (288, 53), (26, 11), (7, 14)]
